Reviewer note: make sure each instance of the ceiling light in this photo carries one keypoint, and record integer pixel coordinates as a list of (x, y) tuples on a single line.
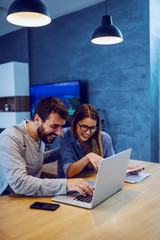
[(107, 33), (28, 13)]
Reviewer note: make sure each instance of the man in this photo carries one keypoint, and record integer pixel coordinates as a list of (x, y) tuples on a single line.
[(22, 153)]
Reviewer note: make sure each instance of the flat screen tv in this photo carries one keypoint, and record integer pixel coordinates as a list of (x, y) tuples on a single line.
[(67, 92)]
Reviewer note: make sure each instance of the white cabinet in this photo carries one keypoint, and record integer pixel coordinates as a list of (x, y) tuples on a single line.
[(8, 119), (14, 91)]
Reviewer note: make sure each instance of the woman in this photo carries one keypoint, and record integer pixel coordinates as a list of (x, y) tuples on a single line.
[(84, 145)]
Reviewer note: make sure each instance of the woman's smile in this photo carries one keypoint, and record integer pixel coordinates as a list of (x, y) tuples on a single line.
[(84, 136)]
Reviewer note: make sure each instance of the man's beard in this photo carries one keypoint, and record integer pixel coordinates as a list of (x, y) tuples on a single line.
[(43, 136)]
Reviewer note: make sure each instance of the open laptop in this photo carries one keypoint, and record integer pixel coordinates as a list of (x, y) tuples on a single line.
[(109, 180)]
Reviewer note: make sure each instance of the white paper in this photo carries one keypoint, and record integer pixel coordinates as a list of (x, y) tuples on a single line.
[(134, 178)]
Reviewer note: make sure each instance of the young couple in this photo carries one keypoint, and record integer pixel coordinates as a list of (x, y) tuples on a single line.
[(22, 150)]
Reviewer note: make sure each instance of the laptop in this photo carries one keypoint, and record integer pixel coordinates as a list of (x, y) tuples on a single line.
[(110, 179)]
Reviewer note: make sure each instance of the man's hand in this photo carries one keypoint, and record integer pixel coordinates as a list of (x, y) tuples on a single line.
[(79, 185)]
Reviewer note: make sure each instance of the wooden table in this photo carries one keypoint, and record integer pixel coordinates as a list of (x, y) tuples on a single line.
[(131, 214)]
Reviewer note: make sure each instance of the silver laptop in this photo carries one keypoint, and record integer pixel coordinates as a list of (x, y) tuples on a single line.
[(109, 180)]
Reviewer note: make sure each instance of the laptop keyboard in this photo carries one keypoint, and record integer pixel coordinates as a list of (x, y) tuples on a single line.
[(87, 199)]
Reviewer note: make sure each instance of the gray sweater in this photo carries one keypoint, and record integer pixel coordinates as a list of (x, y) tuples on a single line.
[(21, 161)]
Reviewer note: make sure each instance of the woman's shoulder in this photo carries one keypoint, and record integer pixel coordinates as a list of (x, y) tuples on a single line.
[(66, 131), (104, 134), (66, 134), (107, 144)]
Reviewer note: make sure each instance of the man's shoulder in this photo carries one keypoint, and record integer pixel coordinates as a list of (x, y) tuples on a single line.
[(13, 131)]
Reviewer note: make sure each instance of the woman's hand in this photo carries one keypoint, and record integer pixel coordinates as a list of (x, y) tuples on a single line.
[(137, 168), (76, 167), (94, 159)]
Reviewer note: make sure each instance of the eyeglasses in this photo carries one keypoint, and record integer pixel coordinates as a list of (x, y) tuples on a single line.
[(85, 128)]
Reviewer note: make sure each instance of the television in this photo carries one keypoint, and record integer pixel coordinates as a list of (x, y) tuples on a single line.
[(68, 92)]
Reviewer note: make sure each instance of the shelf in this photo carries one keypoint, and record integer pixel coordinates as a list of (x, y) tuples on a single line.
[(16, 104)]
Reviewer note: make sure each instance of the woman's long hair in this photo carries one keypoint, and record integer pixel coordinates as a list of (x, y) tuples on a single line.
[(93, 144)]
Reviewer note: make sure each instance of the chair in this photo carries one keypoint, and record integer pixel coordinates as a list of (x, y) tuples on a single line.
[(60, 173)]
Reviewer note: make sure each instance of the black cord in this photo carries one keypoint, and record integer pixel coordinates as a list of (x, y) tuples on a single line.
[(106, 5)]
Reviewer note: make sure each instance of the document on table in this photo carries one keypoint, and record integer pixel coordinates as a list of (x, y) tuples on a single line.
[(135, 178)]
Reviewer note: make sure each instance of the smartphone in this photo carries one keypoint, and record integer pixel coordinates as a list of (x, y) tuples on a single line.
[(45, 206), (135, 169)]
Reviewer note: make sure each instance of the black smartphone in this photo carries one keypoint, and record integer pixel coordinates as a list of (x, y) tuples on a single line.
[(45, 206)]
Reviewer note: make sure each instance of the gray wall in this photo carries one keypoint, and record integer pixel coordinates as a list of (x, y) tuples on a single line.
[(115, 79), (154, 74), (14, 47)]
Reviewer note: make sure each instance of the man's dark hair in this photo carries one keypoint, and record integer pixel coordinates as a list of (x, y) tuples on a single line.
[(47, 105)]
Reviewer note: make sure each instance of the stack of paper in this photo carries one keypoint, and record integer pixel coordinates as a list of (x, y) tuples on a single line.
[(134, 178)]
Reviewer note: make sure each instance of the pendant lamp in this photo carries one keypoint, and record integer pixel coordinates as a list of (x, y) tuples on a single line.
[(107, 33), (28, 13)]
